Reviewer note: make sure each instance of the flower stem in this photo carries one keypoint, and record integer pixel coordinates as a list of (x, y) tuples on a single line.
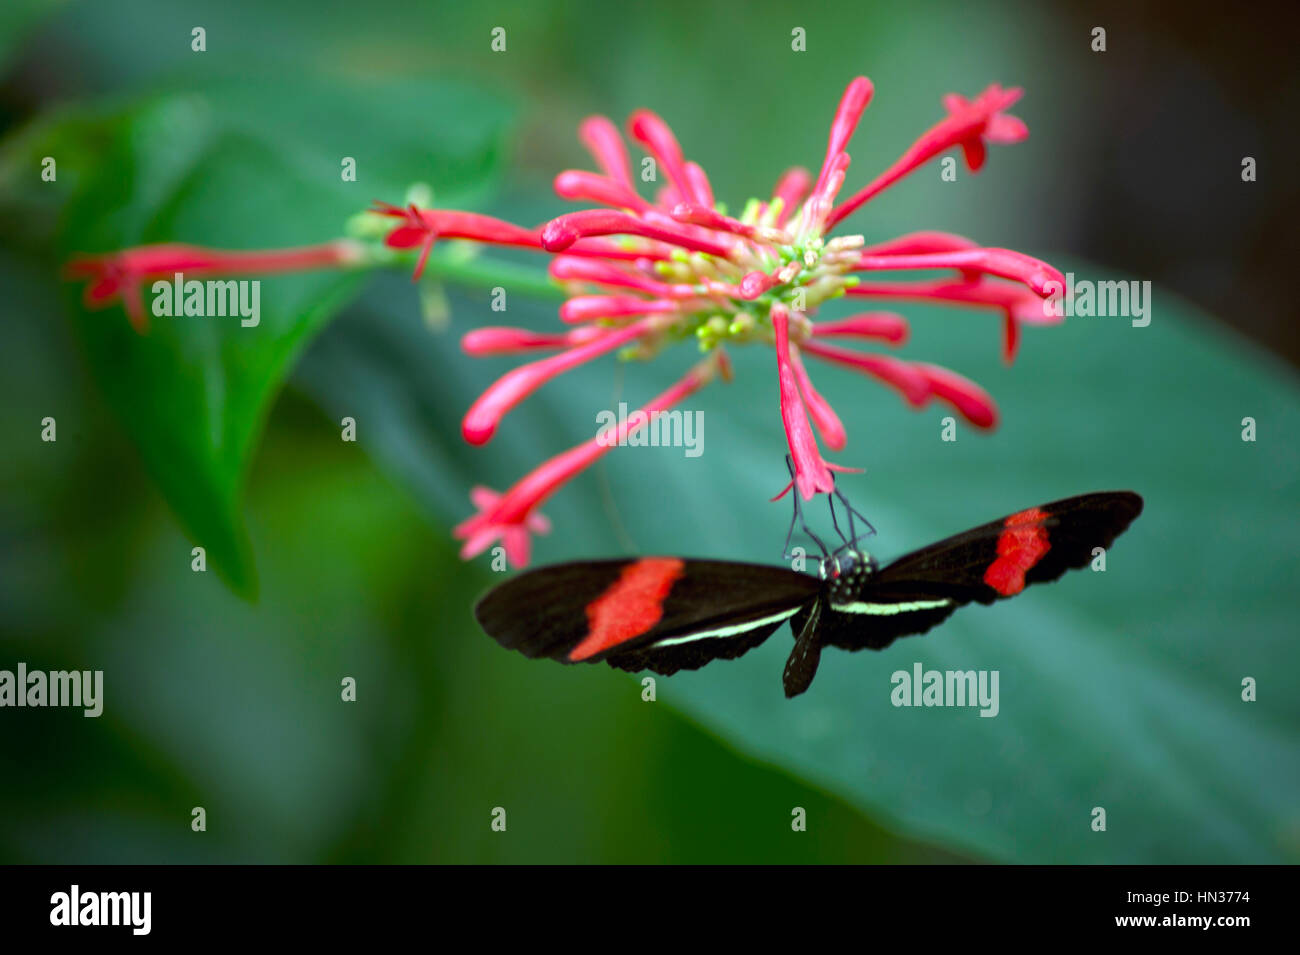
[(480, 273)]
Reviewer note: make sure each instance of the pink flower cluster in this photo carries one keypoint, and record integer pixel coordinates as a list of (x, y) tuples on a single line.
[(642, 275)]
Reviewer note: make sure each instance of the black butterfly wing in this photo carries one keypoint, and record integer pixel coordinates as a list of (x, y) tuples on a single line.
[(658, 613), (987, 563)]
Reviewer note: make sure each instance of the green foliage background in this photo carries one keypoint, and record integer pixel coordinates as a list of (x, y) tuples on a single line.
[(1120, 690)]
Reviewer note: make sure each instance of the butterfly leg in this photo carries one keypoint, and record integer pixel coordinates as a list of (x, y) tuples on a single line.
[(853, 537)]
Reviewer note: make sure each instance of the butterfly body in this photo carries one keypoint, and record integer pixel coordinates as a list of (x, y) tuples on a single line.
[(670, 613)]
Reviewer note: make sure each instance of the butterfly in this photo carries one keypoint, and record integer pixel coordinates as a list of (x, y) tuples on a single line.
[(673, 613)]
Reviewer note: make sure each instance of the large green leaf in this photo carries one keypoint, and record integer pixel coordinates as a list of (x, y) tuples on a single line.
[(1119, 689), (237, 708), (239, 165)]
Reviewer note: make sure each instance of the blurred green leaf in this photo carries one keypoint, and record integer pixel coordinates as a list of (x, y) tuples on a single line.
[(1119, 690), (17, 18), (234, 166)]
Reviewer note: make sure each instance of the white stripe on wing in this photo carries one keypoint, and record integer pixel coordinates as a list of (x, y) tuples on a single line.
[(731, 631)]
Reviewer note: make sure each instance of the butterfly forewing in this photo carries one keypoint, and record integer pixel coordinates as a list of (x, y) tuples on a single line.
[(1002, 557), (658, 613), (987, 563)]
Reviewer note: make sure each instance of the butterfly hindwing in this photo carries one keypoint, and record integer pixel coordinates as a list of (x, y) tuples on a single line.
[(657, 613), (987, 563), (852, 631)]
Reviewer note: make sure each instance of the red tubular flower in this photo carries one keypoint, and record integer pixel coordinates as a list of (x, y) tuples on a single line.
[(972, 401), (593, 271), (449, 224), (482, 342), (602, 140), (883, 325), (1017, 305), (790, 191), (918, 382), (852, 104), (512, 515), (902, 375), (420, 228), (653, 133), (968, 125), (712, 219), (824, 418), (924, 243), (616, 252), (811, 474), (591, 307), (119, 275), (480, 532), (485, 414), (575, 184), (559, 234), (919, 243), (1033, 273), (998, 128), (700, 185)]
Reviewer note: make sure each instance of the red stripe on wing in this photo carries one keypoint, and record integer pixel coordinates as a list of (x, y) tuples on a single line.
[(1022, 545), (629, 607)]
